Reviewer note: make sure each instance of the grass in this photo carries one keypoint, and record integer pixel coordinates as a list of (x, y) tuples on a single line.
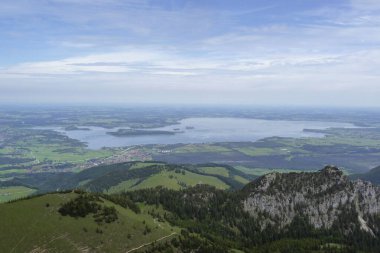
[(262, 171), (46, 148), (140, 165), (53, 153), (14, 192), (241, 179), (221, 171), (6, 151), (31, 224), (196, 148), (11, 171), (251, 151), (333, 140), (176, 181), (123, 186)]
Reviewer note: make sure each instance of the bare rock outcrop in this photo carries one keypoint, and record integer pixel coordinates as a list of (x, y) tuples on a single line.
[(325, 198)]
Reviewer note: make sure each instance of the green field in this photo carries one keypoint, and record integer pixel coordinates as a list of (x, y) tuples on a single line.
[(42, 150), (217, 170), (56, 153), (262, 171), (14, 192), (256, 151), (176, 181), (34, 225), (139, 165), (241, 179), (123, 186), (191, 148), (12, 171)]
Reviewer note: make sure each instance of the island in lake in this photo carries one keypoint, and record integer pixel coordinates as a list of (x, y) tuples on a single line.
[(75, 128), (137, 132)]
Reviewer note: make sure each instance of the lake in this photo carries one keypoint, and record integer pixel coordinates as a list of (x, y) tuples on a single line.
[(205, 130)]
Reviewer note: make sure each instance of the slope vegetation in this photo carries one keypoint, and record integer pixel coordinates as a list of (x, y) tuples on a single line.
[(35, 225)]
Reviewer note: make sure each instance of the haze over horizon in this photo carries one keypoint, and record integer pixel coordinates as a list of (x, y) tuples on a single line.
[(293, 52)]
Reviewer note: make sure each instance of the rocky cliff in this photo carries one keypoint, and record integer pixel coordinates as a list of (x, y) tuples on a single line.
[(326, 198)]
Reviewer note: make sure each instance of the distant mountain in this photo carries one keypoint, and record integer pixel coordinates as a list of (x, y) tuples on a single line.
[(372, 176), (320, 212)]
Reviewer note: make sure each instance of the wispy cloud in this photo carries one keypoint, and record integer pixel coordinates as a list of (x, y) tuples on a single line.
[(241, 52)]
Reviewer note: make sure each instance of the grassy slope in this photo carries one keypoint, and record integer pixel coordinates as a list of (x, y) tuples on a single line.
[(262, 171), (241, 179), (30, 225), (139, 165), (172, 180), (166, 175), (135, 175), (123, 186), (215, 171), (14, 192)]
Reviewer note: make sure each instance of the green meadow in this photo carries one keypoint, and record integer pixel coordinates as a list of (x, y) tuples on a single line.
[(34, 225)]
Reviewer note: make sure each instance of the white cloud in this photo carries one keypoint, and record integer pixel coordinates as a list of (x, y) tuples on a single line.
[(367, 5), (193, 54)]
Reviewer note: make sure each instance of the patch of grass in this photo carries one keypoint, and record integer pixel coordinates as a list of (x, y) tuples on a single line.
[(176, 181), (139, 165), (53, 153), (14, 192), (221, 171), (35, 224), (251, 151), (6, 151), (196, 148), (262, 171), (241, 179), (81, 183), (19, 171), (123, 186)]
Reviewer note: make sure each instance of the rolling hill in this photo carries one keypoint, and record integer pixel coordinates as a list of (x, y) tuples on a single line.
[(319, 212), (372, 176), (129, 176), (35, 225)]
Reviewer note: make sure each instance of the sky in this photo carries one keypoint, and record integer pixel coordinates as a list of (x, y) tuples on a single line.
[(268, 52)]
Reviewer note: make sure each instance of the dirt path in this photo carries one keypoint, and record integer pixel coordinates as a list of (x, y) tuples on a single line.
[(147, 244)]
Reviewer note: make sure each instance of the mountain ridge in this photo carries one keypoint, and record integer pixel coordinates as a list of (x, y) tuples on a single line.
[(300, 212), (322, 196)]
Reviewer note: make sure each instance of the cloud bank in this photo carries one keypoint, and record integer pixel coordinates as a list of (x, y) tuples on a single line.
[(193, 52)]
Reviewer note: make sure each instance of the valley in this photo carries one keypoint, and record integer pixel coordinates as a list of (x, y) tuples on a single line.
[(184, 195), (39, 149)]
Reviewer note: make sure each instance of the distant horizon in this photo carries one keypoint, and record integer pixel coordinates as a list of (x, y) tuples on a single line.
[(188, 106)]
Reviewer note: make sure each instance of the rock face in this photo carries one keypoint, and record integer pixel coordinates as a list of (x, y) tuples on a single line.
[(325, 198)]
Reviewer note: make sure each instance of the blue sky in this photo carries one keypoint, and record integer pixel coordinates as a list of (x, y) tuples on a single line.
[(285, 52)]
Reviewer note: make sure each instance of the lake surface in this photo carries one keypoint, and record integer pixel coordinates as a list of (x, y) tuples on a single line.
[(205, 130)]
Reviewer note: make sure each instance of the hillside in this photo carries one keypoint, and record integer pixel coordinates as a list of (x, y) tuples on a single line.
[(35, 225), (324, 198), (321, 212), (372, 176), (128, 176)]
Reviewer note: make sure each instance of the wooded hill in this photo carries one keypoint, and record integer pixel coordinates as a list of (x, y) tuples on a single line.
[(202, 218)]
